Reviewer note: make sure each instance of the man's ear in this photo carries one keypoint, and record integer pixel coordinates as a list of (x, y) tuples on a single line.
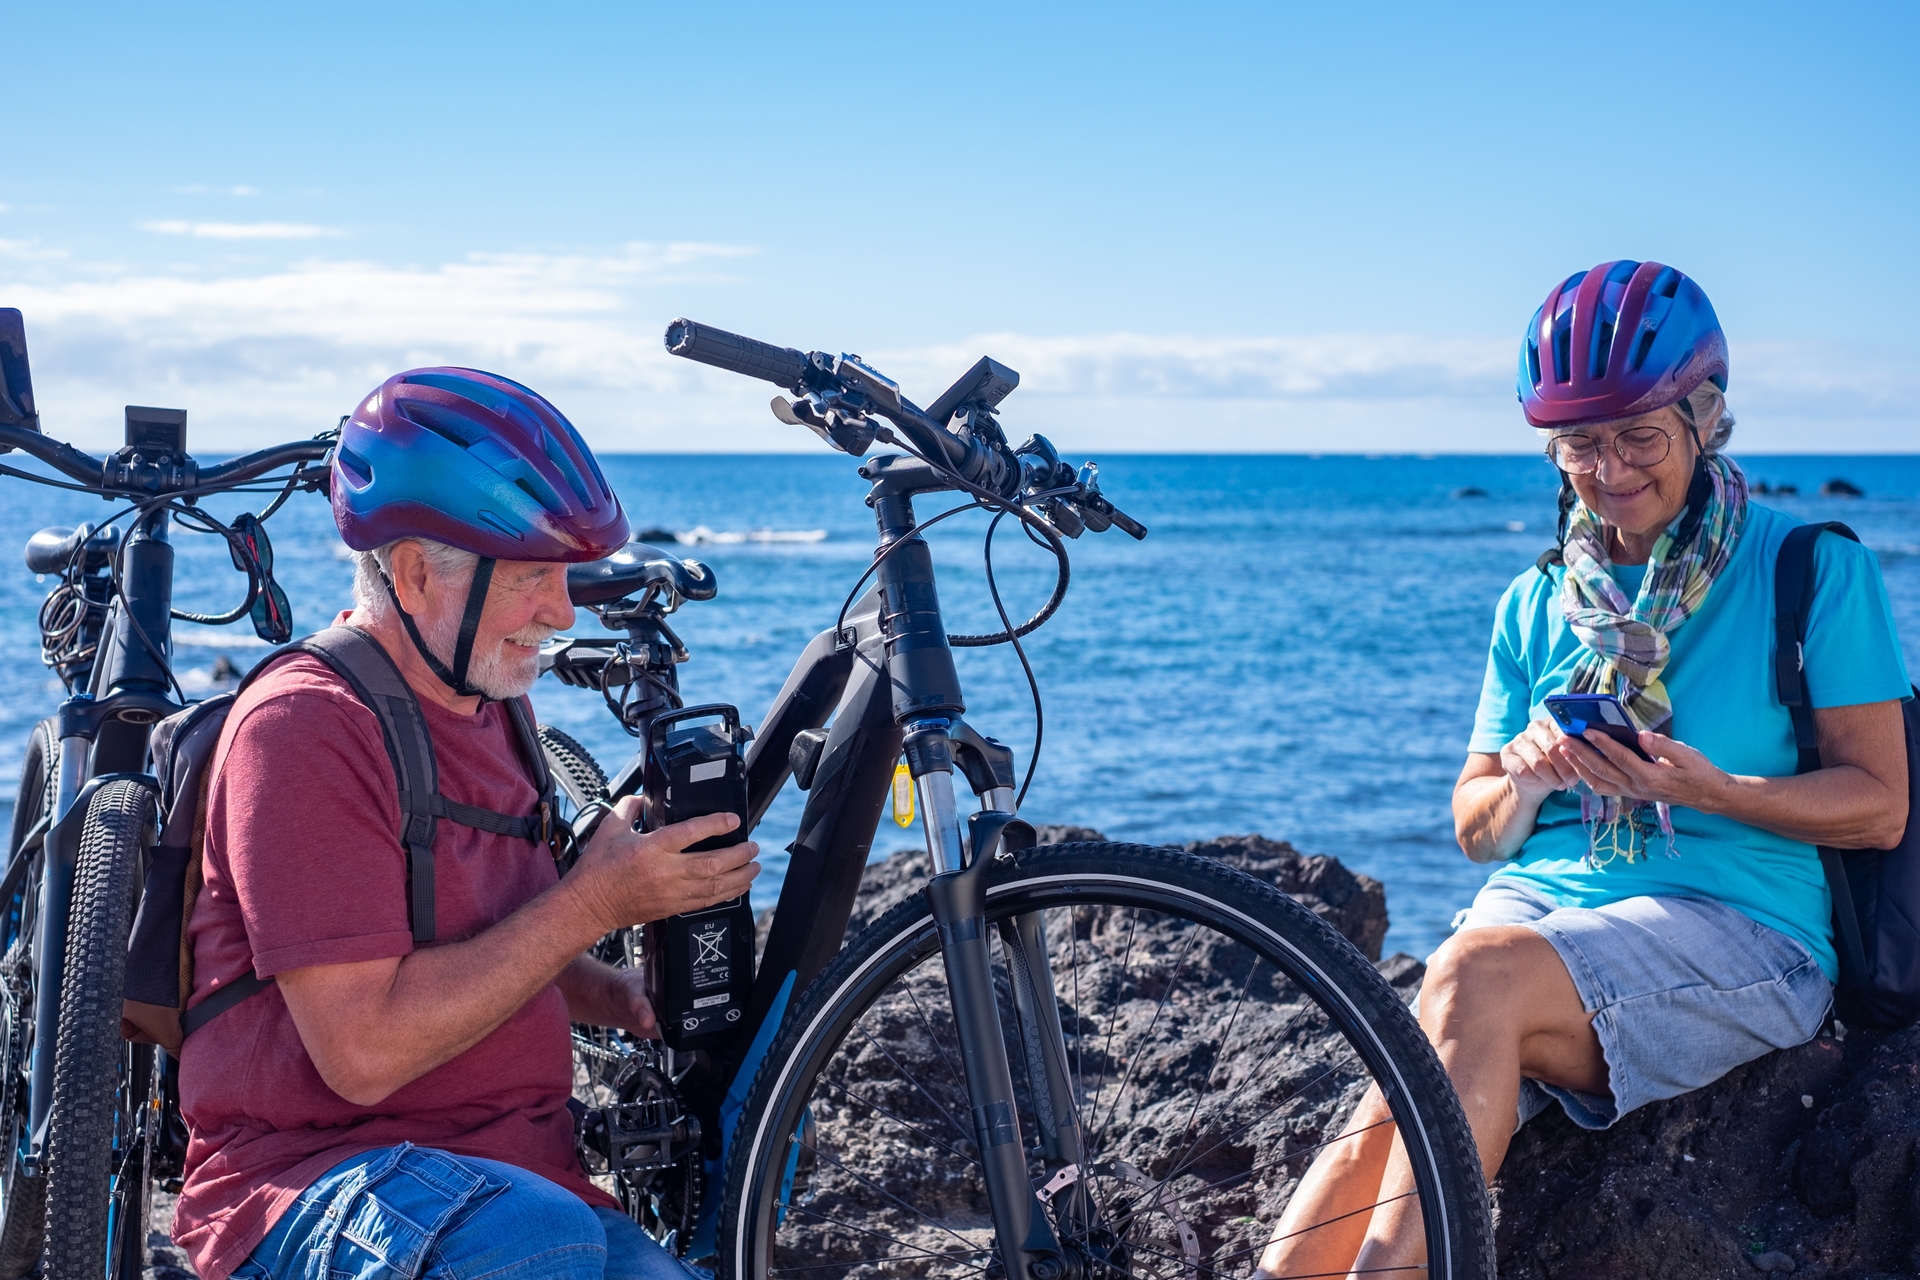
[(411, 573)]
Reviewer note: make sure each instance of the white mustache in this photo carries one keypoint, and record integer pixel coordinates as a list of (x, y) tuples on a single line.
[(533, 635)]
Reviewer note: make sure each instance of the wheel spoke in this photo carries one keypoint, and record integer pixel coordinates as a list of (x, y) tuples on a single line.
[(911, 1248), (901, 1071), (869, 1182), (904, 1124), (1133, 1059)]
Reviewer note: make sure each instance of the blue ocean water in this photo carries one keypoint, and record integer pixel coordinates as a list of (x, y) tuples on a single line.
[(1295, 650)]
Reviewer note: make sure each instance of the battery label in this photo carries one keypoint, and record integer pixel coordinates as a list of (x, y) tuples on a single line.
[(707, 1002), (709, 964)]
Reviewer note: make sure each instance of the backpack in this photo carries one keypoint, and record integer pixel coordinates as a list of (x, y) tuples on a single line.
[(159, 956), (1876, 892)]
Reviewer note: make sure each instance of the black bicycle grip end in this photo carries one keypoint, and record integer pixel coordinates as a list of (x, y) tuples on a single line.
[(735, 354)]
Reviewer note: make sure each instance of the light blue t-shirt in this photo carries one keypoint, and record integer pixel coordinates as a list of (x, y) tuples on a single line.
[(1720, 679)]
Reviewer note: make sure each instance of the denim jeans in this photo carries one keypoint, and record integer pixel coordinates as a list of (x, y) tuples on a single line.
[(413, 1213)]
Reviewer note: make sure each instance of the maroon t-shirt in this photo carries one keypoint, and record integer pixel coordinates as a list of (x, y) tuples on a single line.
[(304, 867)]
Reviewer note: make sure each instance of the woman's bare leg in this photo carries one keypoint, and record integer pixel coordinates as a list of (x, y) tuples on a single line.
[(1325, 1222), (1499, 1006)]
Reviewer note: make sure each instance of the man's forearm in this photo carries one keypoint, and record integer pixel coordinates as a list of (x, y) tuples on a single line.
[(437, 1002)]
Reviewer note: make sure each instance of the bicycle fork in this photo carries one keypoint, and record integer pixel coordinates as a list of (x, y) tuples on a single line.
[(1028, 1247)]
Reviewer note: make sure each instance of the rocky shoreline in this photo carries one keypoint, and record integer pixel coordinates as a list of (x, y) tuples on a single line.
[(1804, 1162)]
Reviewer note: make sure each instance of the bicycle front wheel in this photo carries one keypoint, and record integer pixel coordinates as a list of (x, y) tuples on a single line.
[(1217, 1037)]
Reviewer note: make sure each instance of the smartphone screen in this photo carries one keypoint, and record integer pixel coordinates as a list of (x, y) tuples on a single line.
[(1576, 713)]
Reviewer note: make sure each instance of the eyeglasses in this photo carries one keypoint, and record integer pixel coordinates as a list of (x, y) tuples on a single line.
[(1640, 447)]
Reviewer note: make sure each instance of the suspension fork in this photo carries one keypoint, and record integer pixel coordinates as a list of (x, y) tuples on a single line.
[(988, 766), (1028, 1247)]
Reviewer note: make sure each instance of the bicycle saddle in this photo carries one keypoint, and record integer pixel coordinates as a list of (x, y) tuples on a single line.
[(52, 549), (632, 570)]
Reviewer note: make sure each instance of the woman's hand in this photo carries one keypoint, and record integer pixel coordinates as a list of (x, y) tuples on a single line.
[(1534, 763), (1677, 775)]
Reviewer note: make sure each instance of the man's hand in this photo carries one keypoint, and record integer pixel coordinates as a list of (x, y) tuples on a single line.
[(626, 877), (602, 996)]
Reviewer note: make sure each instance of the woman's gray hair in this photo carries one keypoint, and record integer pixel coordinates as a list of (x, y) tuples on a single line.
[(1706, 408), (373, 569)]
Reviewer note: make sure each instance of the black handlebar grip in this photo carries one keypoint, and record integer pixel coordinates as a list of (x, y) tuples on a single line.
[(735, 354)]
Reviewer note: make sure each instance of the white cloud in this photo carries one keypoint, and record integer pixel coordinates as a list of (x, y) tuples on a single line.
[(30, 251), (239, 230), (243, 190), (283, 353)]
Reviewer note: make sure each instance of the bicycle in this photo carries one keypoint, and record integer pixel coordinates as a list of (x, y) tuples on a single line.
[(865, 1117), (91, 1120)]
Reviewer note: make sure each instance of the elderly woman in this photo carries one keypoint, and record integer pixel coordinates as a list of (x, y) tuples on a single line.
[(1656, 922)]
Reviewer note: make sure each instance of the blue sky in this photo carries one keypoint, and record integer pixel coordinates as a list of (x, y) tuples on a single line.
[(1204, 226)]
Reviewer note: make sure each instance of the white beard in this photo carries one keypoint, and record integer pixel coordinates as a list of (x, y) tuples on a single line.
[(491, 672)]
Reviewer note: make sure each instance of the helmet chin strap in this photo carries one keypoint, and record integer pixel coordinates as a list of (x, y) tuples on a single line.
[(456, 678)]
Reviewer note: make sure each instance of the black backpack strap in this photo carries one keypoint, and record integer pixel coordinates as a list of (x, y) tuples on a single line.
[(247, 984), (359, 660), (1793, 583), (526, 729)]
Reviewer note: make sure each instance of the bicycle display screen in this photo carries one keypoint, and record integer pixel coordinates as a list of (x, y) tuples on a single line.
[(156, 431)]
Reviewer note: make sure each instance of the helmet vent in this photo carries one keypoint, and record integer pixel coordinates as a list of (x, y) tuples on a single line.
[(358, 469), (1562, 356), (442, 422), (1641, 348), (564, 465), (1602, 350), (1533, 361)]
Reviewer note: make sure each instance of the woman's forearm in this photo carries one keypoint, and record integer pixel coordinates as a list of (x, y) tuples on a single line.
[(1844, 807), (1491, 818)]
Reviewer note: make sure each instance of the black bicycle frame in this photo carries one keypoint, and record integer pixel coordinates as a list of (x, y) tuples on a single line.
[(886, 678), (103, 736)]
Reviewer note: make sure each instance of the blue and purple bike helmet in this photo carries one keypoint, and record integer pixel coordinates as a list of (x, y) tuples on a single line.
[(474, 461), (1622, 339)]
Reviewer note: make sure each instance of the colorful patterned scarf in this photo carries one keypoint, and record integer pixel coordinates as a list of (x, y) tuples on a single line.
[(1626, 640)]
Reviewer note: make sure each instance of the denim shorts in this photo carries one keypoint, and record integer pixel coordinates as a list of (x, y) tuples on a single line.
[(1682, 991), (412, 1213)]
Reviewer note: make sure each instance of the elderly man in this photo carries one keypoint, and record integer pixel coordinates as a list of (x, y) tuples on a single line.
[(385, 1107)]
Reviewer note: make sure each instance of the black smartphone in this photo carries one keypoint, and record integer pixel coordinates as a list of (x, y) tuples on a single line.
[(1576, 713)]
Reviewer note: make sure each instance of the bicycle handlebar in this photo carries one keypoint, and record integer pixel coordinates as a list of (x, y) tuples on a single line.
[(782, 366), (118, 474), (247, 466), (841, 392)]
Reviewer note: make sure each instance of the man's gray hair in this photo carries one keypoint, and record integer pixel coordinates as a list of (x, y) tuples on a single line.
[(373, 569)]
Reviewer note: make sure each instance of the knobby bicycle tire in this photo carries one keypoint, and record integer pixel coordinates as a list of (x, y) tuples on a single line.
[(96, 1175), (575, 770), (853, 1155), (23, 1199)]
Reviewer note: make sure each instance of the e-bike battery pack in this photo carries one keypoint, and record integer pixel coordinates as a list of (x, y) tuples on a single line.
[(699, 964)]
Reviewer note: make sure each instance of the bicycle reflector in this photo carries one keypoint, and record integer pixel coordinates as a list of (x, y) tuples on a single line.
[(699, 964)]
